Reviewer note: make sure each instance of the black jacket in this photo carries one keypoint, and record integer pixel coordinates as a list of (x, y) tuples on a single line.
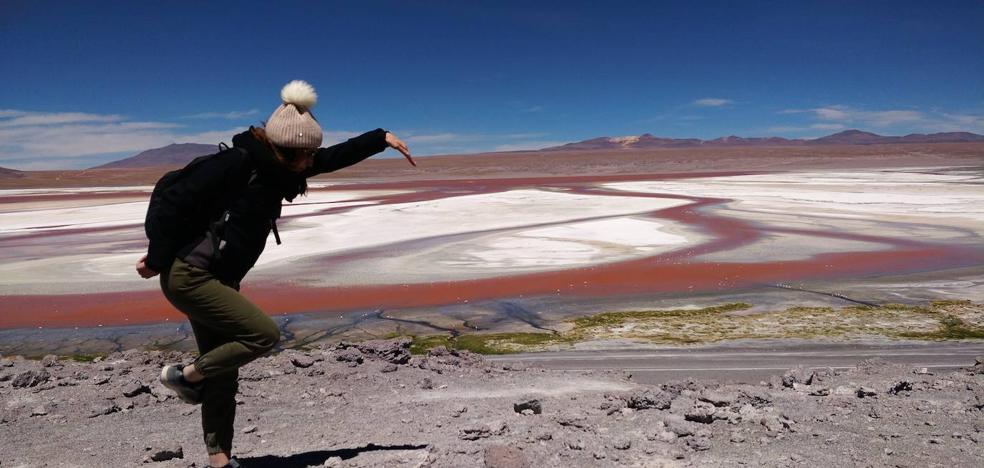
[(226, 182)]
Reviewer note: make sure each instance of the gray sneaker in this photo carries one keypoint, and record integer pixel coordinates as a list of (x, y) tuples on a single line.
[(172, 377)]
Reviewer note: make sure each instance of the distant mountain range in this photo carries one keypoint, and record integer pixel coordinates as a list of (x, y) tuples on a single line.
[(181, 154), (847, 137), (7, 173), (171, 155)]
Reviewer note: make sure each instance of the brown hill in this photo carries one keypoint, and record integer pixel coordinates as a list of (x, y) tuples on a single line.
[(177, 154), (7, 173), (847, 137)]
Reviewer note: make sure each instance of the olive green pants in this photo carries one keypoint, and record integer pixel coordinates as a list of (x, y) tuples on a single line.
[(230, 331)]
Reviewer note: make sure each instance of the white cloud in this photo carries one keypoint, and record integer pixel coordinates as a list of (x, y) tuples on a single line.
[(15, 118), (827, 126), (75, 139), (63, 140), (467, 143), (712, 102), (838, 117)]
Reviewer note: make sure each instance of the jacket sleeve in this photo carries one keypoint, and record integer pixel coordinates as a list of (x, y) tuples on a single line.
[(348, 152), (178, 207)]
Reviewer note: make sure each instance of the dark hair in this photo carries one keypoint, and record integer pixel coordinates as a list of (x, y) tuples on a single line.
[(284, 157)]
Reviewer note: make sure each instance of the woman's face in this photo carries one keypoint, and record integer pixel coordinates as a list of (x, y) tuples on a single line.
[(301, 158)]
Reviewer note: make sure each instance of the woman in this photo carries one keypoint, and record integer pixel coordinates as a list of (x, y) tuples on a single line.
[(244, 186)]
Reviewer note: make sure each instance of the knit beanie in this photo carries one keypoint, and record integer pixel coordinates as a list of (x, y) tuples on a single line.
[(292, 125)]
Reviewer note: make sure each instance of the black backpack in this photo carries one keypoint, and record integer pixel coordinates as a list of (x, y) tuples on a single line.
[(196, 225)]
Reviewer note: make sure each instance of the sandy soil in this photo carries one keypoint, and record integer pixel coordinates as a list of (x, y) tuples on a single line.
[(372, 404)]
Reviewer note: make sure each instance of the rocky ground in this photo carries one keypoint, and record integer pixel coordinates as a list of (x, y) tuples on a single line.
[(375, 404)]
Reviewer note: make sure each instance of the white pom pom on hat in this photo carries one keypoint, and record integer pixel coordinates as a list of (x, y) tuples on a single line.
[(299, 93), (291, 125)]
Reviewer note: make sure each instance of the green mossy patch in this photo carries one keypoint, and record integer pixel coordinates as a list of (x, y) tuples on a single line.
[(939, 320)]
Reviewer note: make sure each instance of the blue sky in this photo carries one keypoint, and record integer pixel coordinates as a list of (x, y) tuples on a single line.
[(88, 82)]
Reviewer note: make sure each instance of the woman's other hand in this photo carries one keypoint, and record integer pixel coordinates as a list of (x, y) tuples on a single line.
[(400, 146), (143, 270)]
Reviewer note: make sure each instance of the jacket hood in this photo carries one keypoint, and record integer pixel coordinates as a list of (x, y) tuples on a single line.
[(270, 170)]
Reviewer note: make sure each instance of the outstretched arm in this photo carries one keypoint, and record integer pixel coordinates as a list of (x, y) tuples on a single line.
[(355, 150)]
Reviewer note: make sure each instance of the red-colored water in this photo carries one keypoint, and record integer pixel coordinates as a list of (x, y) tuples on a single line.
[(675, 271)]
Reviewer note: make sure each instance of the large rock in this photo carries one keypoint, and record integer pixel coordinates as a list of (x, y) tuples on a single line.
[(135, 388), (31, 378), (649, 399), (530, 405), (302, 361), (351, 356), (476, 432), (504, 456), (394, 351), (164, 454)]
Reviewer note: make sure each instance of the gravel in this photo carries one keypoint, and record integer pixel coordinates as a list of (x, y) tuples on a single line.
[(374, 404)]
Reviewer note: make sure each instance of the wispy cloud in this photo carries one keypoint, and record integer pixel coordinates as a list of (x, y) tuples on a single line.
[(19, 118), (908, 120), (49, 140), (712, 102), (805, 128), (69, 140), (464, 143), (232, 115)]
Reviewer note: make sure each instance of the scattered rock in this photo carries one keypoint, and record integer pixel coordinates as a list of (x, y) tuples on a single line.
[(6, 363), (701, 412), (504, 456), (571, 421), (717, 398), (649, 399), (135, 388), (678, 425), (531, 405), (31, 378), (351, 356), (798, 374), (699, 444), (249, 429), (482, 431), (865, 392), (900, 386), (39, 411), (100, 380), (978, 367), (50, 360), (773, 423), (389, 367), (104, 410), (458, 411), (302, 361), (426, 383), (158, 454), (574, 444), (393, 351), (622, 444)]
